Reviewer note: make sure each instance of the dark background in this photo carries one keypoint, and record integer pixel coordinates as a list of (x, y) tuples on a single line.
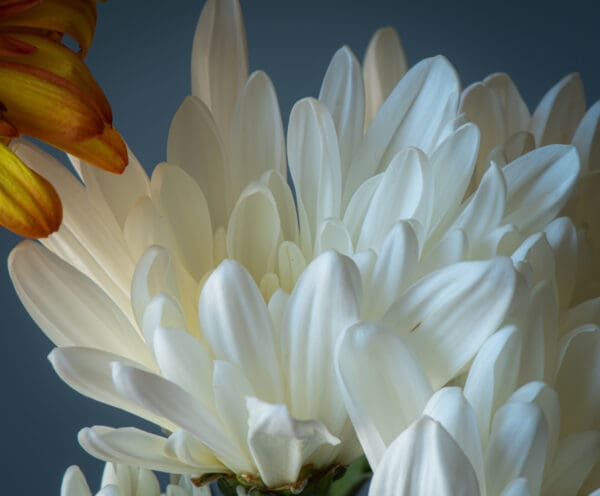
[(141, 58)]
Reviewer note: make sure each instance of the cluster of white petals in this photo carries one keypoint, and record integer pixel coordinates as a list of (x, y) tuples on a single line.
[(414, 291)]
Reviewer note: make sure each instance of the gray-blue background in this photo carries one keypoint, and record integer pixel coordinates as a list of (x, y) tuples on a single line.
[(141, 57)]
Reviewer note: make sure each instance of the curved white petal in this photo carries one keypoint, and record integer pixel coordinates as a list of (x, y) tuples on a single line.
[(343, 93), (220, 58), (194, 145), (74, 483), (447, 315), (518, 487), (324, 302), (383, 66), (587, 139), (281, 444), (517, 447), (424, 459), (237, 324), (383, 385), (562, 237)]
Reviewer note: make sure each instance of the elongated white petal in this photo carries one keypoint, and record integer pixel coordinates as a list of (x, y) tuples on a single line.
[(402, 194), (518, 487), (231, 388), (314, 160), (416, 114), (357, 208), (493, 376), (194, 144), (516, 113), (343, 93), (587, 139), (254, 230), (165, 398), (539, 184), (452, 165), (446, 316), (383, 385), (424, 459), (546, 398), (88, 372), (220, 58), (131, 446), (562, 237), (288, 217), (70, 308), (517, 447), (257, 141), (383, 66), (324, 302), (587, 312), (280, 444), (162, 312), (393, 272), (486, 208), (236, 323), (185, 210), (559, 112), (112, 192), (185, 361), (333, 235), (188, 449), (575, 457), (450, 408), (290, 264), (580, 366), (452, 248), (74, 483)]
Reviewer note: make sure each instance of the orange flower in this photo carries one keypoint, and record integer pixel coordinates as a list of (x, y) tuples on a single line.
[(47, 92)]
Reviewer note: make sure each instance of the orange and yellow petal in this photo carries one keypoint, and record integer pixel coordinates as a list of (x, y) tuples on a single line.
[(106, 151), (29, 205), (77, 18)]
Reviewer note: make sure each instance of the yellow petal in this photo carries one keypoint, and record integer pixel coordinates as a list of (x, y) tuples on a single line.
[(29, 205), (76, 18), (106, 151)]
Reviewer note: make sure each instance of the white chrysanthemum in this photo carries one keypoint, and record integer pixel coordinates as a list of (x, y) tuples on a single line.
[(122, 480), (209, 299)]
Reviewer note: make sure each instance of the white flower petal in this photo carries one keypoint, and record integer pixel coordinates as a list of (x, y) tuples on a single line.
[(452, 164), (280, 444), (587, 312), (162, 311), (314, 160), (116, 193), (88, 372), (562, 237), (290, 264), (231, 388), (546, 398), (485, 210), (383, 385), (194, 144), (578, 380), (188, 449), (358, 206), (447, 315), (587, 139), (575, 458), (184, 360), (539, 183), (74, 483), (393, 271), (493, 376), (333, 235), (237, 324), (450, 408), (416, 113), (131, 446), (343, 93), (559, 112), (257, 141), (424, 459), (220, 58), (452, 248), (383, 66), (401, 194), (69, 307), (284, 199), (517, 447), (518, 487), (166, 399), (254, 230), (324, 302), (185, 210)]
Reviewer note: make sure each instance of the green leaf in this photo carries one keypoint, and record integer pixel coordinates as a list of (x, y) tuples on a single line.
[(357, 473)]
